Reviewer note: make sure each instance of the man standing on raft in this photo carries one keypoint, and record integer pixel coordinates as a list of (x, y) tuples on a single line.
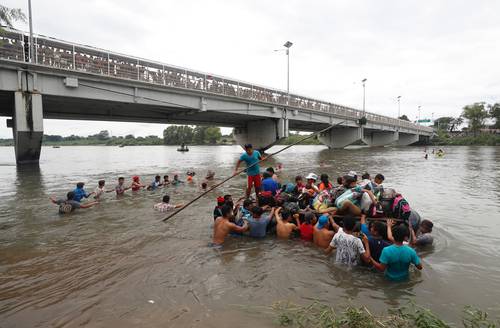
[(251, 157)]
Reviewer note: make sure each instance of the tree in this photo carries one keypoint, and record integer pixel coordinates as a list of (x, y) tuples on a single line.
[(129, 136), (8, 16), (175, 135), (212, 134), (103, 135), (199, 135), (443, 123), (475, 114), (404, 118), (456, 123), (495, 114)]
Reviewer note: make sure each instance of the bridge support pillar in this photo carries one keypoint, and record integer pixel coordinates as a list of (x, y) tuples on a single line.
[(27, 126), (340, 137), (406, 139), (262, 134), (380, 138)]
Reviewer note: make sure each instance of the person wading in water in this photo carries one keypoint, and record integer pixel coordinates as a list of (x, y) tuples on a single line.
[(251, 157)]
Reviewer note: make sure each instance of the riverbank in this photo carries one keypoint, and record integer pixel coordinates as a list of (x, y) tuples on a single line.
[(480, 140)]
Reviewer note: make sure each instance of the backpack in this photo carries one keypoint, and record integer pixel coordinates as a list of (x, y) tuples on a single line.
[(400, 208), (65, 208)]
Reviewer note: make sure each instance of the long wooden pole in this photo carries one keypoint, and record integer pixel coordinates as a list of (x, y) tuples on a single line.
[(243, 170)]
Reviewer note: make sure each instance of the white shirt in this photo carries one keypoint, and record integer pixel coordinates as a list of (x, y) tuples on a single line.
[(349, 248)]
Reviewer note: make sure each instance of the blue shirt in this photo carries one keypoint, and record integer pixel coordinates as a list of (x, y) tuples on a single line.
[(397, 260), (79, 194), (258, 226), (250, 160), (269, 184)]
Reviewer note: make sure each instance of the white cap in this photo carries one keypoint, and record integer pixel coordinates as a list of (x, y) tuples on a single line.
[(352, 174), (312, 176)]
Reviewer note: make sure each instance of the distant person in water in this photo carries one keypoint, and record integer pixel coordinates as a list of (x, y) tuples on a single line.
[(210, 175), (176, 180), (136, 184), (166, 181), (155, 184), (251, 157), (204, 186), (69, 204), (165, 205), (100, 190), (120, 187), (80, 193), (223, 226)]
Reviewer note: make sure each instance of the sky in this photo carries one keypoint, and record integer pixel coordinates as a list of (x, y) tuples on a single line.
[(441, 55)]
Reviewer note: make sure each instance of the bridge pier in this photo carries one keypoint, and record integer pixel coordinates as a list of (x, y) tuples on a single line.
[(380, 138), (406, 139), (340, 137), (27, 126), (262, 134)]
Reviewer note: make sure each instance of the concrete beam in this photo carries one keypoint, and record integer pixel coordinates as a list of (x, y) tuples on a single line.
[(406, 139), (340, 137), (27, 126), (379, 138), (262, 134)]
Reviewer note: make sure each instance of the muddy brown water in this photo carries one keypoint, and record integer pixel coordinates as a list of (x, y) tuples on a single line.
[(118, 265)]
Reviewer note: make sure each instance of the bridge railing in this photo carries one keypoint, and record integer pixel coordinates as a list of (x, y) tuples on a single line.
[(70, 56)]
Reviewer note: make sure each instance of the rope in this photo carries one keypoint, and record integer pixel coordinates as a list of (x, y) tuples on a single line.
[(243, 170)]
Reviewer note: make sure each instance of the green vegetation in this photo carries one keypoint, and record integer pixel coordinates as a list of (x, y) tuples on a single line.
[(8, 16), (476, 133), (174, 135), (200, 135), (318, 315)]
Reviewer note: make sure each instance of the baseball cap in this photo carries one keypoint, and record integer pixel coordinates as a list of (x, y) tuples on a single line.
[(322, 221), (312, 176), (246, 146)]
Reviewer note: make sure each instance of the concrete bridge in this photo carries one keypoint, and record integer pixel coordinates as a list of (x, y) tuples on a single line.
[(64, 80)]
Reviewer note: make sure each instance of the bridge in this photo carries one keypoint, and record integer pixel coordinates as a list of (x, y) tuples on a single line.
[(65, 80)]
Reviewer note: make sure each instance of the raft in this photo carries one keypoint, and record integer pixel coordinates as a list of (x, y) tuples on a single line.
[(182, 149)]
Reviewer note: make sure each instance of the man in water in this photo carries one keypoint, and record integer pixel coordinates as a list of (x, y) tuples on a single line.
[(251, 157), (156, 183), (69, 204), (396, 259), (80, 193), (322, 235), (120, 187), (284, 226), (223, 226)]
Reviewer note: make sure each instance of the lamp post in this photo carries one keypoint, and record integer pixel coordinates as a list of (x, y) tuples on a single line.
[(399, 107), (287, 45), (31, 32), (418, 119), (364, 95)]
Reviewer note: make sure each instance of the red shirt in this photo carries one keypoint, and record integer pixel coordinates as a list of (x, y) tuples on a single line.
[(306, 231)]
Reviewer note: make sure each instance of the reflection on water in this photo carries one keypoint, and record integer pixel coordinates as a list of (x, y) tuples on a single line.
[(118, 265)]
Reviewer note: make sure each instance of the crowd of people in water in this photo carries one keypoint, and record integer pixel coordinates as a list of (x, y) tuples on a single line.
[(365, 223)]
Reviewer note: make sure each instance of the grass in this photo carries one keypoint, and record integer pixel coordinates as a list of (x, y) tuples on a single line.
[(318, 315)]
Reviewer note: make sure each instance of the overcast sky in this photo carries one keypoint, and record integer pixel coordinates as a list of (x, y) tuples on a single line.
[(440, 54)]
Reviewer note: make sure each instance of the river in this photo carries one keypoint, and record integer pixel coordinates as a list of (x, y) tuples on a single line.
[(117, 264)]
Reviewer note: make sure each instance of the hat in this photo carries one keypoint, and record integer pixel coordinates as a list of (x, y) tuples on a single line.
[(220, 199), (135, 178), (352, 174), (322, 221), (312, 176), (290, 187)]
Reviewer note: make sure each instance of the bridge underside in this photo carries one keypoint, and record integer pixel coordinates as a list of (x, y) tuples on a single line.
[(31, 97)]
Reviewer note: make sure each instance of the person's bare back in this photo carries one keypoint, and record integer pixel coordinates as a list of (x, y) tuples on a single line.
[(222, 226), (322, 237), (283, 228)]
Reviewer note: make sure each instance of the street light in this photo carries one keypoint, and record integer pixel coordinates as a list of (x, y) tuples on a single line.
[(364, 94), (399, 107), (287, 45), (418, 120), (31, 56)]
